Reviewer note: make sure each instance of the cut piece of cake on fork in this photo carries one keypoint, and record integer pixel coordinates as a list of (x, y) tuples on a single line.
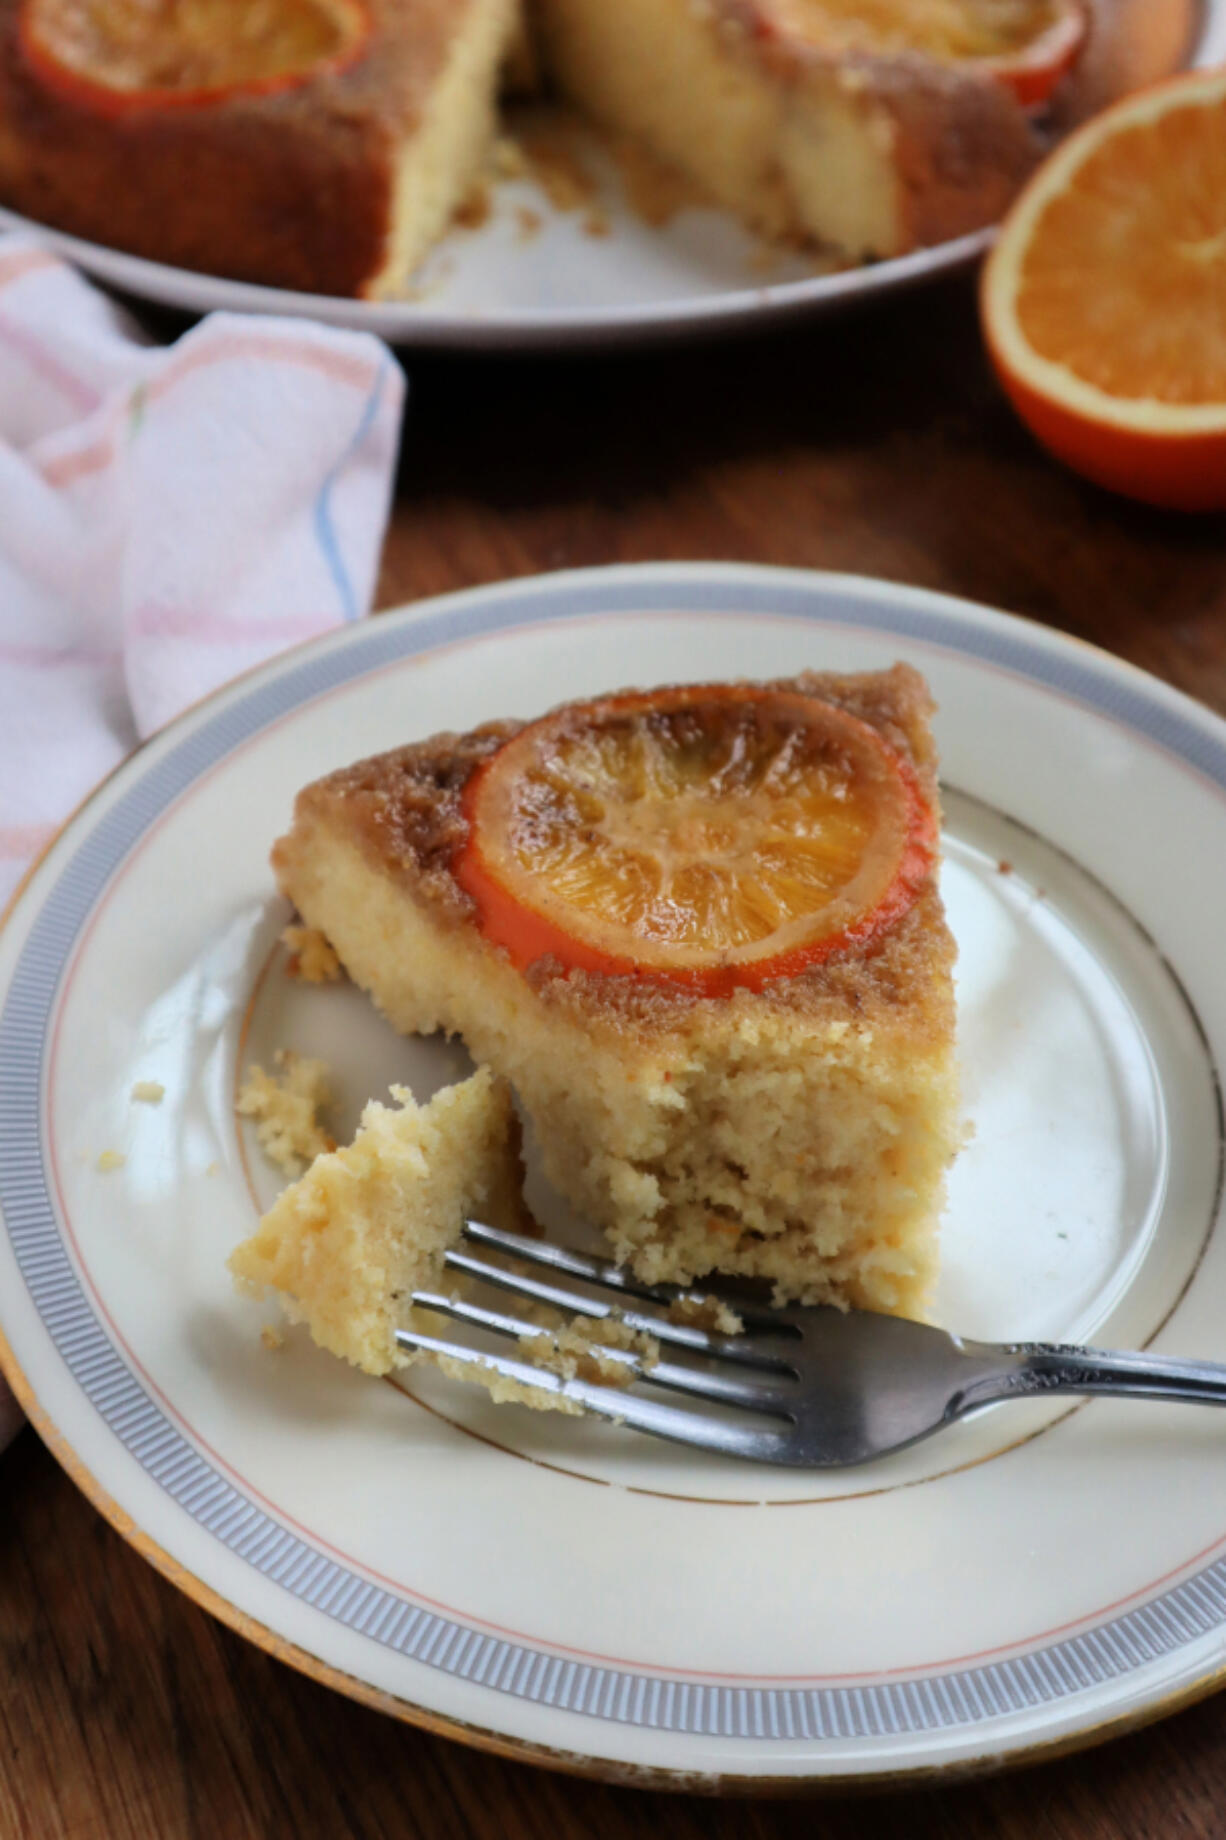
[(366, 1225)]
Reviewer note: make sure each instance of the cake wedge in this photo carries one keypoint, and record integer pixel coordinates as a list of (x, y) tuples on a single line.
[(316, 145), (699, 930), (867, 127)]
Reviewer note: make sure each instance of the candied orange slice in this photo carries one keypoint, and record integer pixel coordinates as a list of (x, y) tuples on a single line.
[(123, 54), (709, 836), (1028, 45), (1104, 300)]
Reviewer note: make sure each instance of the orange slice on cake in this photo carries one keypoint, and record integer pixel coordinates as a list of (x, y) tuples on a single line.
[(118, 55), (1104, 300), (709, 836), (1028, 45)]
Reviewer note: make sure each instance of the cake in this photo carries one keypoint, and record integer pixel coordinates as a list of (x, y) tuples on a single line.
[(286, 1107), (699, 930), (320, 145), (368, 1224), (866, 126), (324, 145)]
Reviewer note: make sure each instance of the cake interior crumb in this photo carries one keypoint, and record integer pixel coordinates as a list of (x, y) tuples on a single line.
[(605, 1351), (272, 1337), (149, 1092), (709, 1313), (503, 1390), (285, 1107), (311, 957), (111, 1159)]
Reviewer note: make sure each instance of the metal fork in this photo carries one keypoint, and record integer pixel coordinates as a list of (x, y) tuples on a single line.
[(810, 1388)]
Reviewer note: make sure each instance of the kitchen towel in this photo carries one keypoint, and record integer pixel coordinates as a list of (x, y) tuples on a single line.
[(169, 517)]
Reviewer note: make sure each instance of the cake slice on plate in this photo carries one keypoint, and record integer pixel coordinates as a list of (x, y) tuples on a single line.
[(699, 930)]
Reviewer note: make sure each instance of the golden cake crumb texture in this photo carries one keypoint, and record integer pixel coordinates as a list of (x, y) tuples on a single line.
[(286, 1106), (347, 1244), (594, 1349)]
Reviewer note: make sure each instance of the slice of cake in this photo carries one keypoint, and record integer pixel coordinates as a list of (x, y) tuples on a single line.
[(867, 126), (699, 930), (368, 1224), (320, 145)]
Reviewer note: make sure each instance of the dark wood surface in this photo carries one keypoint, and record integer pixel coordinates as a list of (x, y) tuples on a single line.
[(875, 442)]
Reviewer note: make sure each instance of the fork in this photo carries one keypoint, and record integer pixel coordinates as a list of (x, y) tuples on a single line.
[(808, 1387)]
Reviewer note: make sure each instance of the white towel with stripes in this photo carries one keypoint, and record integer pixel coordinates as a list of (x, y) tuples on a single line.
[(169, 517)]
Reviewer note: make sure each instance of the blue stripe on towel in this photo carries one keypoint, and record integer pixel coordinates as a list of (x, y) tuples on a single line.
[(325, 531)]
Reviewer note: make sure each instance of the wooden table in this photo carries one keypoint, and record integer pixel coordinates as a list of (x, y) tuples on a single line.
[(875, 442)]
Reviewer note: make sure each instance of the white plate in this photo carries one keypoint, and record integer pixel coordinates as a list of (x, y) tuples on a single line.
[(564, 1589), (490, 288)]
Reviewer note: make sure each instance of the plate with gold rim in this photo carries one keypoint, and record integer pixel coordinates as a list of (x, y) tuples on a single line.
[(569, 1591), (617, 260)]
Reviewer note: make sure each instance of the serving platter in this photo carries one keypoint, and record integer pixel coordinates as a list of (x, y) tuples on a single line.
[(570, 1592), (593, 271)]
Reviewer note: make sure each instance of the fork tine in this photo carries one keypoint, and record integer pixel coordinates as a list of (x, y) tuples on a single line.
[(681, 1335), (610, 1402), (609, 1276), (704, 1383)]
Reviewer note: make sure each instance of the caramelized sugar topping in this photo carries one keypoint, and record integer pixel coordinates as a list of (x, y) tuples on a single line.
[(714, 836)]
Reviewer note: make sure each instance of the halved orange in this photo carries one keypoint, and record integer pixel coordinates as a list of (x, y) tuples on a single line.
[(121, 55), (709, 836), (1104, 300)]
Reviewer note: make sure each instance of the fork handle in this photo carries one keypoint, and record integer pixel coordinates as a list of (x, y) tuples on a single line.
[(1042, 1368)]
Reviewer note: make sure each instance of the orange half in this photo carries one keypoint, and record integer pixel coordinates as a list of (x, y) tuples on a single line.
[(708, 836), (1104, 300)]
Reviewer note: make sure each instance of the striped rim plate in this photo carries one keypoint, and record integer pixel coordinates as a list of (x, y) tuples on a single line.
[(566, 1591)]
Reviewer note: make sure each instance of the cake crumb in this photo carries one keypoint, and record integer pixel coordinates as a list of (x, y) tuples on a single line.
[(149, 1092), (527, 223), (551, 151), (594, 1349), (1004, 866), (504, 1391), (214, 1168), (596, 222), (286, 1107), (474, 209), (709, 1313), (508, 159), (311, 956), (111, 1159), (272, 1338), (655, 191)]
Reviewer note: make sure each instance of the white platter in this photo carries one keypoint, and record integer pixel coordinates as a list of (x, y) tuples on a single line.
[(563, 1590), (489, 288)]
